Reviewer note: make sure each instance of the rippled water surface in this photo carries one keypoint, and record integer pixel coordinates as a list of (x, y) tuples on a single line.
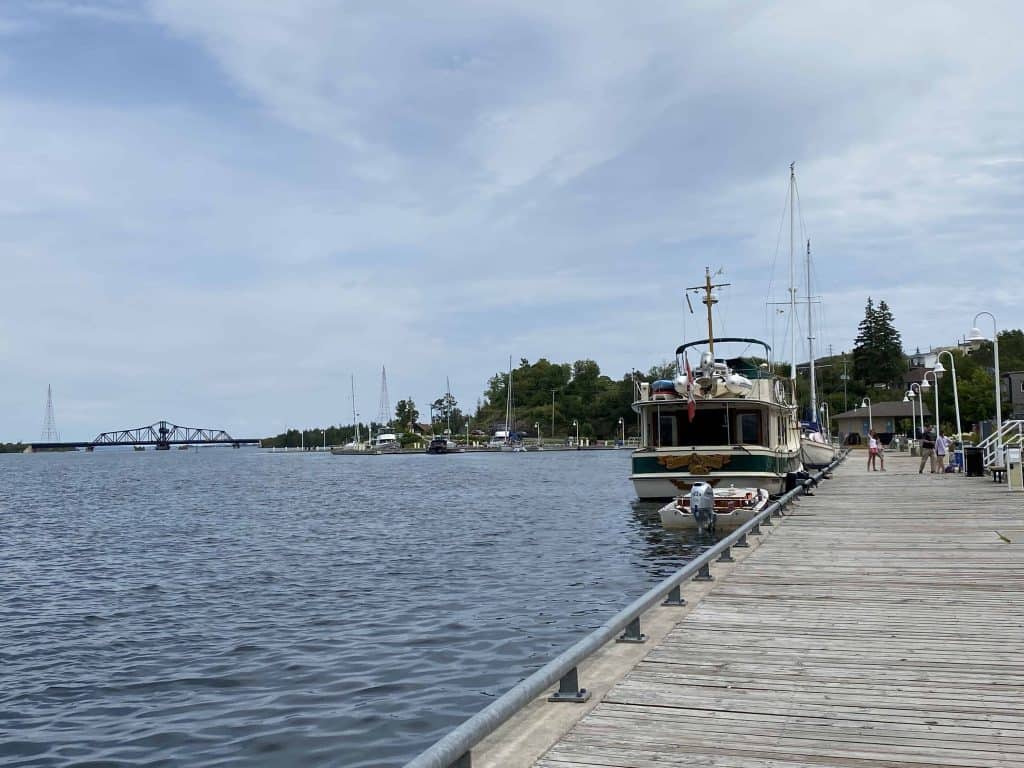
[(238, 607)]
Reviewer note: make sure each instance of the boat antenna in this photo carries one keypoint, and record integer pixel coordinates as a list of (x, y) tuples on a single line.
[(792, 281), (709, 300)]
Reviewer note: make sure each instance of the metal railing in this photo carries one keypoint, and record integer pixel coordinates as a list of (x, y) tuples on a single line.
[(1012, 433), (453, 750)]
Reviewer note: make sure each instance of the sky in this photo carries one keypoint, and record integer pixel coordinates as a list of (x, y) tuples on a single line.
[(217, 212)]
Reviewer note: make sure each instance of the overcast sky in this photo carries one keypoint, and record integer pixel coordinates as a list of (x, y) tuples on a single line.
[(216, 211)]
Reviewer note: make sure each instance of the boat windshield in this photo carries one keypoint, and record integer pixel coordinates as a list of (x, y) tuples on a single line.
[(713, 426)]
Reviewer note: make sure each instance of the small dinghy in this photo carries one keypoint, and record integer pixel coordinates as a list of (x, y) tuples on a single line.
[(707, 509)]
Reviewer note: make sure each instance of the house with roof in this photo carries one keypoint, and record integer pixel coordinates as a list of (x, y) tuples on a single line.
[(886, 419)]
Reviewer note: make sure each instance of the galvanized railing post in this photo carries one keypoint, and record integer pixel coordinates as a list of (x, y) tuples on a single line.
[(726, 556), (742, 542), (675, 597), (569, 689), (632, 633), (704, 574)]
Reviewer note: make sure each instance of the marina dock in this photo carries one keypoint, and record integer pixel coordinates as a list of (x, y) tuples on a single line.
[(881, 623)]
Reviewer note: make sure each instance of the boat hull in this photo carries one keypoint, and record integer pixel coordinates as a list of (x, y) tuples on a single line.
[(660, 475), (816, 455), (678, 518)]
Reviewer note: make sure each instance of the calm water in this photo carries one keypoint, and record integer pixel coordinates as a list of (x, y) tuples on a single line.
[(223, 607)]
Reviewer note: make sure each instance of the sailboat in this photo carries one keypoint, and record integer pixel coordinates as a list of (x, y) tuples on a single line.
[(356, 444), (512, 441), (816, 449), (728, 422), (443, 443)]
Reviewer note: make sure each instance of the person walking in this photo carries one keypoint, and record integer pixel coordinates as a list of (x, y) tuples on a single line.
[(927, 449), (872, 450), (941, 449)]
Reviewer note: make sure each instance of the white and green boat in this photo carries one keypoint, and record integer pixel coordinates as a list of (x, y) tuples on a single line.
[(728, 422)]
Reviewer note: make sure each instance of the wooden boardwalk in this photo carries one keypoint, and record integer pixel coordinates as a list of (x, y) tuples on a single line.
[(882, 624)]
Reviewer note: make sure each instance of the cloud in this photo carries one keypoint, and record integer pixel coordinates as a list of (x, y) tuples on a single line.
[(291, 192)]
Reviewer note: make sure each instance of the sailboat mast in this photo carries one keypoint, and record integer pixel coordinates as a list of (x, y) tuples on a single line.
[(508, 401), (355, 416), (792, 281), (448, 404), (810, 340)]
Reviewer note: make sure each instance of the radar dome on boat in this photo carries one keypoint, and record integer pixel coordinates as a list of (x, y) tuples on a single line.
[(737, 384)]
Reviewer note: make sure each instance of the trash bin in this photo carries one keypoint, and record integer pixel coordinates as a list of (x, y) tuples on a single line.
[(974, 465)]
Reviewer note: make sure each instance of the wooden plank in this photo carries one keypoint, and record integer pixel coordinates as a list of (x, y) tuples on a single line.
[(881, 624)]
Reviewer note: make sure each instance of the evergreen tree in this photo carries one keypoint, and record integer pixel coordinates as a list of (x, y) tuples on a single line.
[(406, 413), (878, 350)]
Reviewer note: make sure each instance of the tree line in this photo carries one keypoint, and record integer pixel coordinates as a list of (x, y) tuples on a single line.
[(548, 397)]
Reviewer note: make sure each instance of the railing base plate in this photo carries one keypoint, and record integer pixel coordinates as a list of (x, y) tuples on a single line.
[(579, 697)]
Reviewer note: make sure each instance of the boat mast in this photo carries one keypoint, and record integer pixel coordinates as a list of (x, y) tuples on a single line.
[(709, 300), (355, 416), (792, 281), (508, 401), (448, 403), (810, 340)]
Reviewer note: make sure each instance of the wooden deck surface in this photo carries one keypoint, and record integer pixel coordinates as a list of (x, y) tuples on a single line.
[(881, 625)]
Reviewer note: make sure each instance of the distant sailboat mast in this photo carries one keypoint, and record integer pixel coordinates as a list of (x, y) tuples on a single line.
[(355, 416), (810, 341), (508, 403), (792, 282)]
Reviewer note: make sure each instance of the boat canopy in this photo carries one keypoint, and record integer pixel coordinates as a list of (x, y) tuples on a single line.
[(718, 340)]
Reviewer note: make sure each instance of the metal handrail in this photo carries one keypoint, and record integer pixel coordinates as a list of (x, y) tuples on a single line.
[(453, 750), (1002, 437)]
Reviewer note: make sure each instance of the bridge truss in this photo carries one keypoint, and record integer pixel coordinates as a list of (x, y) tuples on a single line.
[(163, 433)]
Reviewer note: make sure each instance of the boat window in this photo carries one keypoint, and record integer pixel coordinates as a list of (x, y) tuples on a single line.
[(709, 427), (748, 428), (666, 431)]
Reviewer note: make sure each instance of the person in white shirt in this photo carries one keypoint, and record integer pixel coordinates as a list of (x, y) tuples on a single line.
[(872, 450), (941, 448)]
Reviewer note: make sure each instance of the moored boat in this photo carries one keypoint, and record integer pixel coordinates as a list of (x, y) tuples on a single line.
[(729, 509), (442, 444), (728, 422)]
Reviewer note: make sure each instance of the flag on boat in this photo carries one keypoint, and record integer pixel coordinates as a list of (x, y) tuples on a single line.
[(691, 404)]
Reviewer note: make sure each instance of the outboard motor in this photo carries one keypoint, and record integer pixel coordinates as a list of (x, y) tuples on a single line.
[(702, 506)]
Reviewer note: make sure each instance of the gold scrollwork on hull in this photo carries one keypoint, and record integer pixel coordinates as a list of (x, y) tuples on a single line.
[(685, 485), (695, 463)]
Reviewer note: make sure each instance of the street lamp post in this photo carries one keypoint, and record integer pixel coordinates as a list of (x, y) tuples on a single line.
[(975, 337), (915, 392), (910, 397), (553, 411), (866, 403), (622, 429), (926, 385), (576, 424), (536, 426), (939, 369)]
